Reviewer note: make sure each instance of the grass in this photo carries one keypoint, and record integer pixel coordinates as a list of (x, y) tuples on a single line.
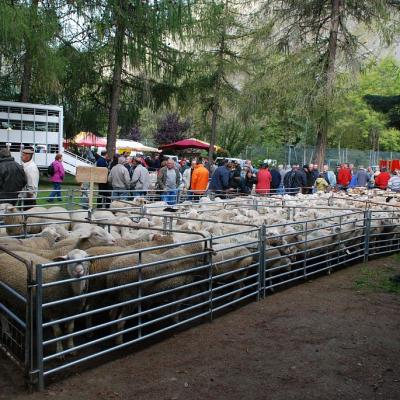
[(377, 279), (45, 187)]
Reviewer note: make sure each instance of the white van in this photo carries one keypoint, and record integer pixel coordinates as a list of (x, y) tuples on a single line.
[(230, 159)]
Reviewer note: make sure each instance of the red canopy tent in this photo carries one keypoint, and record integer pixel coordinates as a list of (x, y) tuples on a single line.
[(88, 139), (186, 144)]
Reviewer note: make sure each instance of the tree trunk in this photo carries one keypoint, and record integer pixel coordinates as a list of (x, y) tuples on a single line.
[(322, 134), (215, 109), (116, 83), (28, 63), (215, 105)]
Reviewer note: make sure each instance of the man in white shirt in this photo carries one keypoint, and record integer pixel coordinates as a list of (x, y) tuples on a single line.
[(29, 192)]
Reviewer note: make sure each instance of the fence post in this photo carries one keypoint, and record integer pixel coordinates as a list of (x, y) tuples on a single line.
[(24, 227), (305, 249), (39, 326), (210, 280), (70, 199), (29, 362), (140, 289), (367, 232), (261, 261)]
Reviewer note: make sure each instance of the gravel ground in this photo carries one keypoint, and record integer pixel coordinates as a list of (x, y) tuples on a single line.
[(336, 337)]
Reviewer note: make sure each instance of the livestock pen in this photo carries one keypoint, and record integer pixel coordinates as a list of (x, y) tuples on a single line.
[(145, 292)]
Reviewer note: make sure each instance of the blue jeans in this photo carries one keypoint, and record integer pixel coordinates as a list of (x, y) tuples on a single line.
[(137, 193), (56, 191), (169, 196), (118, 193)]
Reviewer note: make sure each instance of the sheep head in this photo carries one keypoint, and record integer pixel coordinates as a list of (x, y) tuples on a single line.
[(78, 268), (50, 232), (96, 236)]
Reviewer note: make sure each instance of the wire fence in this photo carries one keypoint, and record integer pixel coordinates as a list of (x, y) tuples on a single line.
[(289, 154), (55, 322)]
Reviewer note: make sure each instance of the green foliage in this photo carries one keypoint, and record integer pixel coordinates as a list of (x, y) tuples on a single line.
[(378, 280), (356, 123), (258, 69), (25, 27)]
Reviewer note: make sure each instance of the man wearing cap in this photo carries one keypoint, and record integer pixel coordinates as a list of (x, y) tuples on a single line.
[(12, 178), (32, 177)]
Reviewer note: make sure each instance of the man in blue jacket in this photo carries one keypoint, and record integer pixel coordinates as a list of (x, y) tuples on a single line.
[(220, 179), (104, 193), (102, 160)]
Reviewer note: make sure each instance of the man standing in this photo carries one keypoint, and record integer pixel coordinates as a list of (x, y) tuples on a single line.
[(120, 180), (344, 177), (329, 176), (394, 181), (199, 180), (103, 195), (382, 180), (187, 176), (140, 181), (168, 181), (102, 161), (32, 178), (275, 180), (362, 177), (294, 180), (220, 178), (307, 170), (12, 178), (315, 171), (264, 178)]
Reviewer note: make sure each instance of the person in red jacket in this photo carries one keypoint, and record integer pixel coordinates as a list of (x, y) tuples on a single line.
[(264, 179), (381, 181), (344, 177)]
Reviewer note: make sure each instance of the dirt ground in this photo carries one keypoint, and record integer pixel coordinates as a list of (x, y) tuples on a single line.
[(336, 337)]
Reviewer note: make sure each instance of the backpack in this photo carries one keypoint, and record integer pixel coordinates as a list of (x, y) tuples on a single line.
[(50, 170)]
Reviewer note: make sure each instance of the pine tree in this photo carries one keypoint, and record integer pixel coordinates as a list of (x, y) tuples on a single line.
[(140, 38), (327, 25)]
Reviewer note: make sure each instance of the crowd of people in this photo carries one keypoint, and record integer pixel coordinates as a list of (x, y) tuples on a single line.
[(230, 177), (129, 177), (19, 183)]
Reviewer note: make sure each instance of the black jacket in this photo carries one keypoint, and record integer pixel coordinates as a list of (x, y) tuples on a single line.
[(294, 180), (12, 178), (276, 178)]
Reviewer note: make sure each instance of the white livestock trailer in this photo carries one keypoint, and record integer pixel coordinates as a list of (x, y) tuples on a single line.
[(40, 127)]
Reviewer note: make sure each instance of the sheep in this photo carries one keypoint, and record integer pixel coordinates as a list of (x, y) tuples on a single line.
[(44, 240), (132, 275), (35, 223), (229, 264), (13, 273), (103, 264), (96, 236)]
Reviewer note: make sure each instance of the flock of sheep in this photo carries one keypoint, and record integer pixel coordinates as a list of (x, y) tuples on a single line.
[(134, 250)]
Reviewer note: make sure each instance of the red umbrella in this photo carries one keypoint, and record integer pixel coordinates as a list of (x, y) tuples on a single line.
[(186, 144)]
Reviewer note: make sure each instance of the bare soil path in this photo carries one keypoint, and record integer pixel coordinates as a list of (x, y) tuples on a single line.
[(336, 337)]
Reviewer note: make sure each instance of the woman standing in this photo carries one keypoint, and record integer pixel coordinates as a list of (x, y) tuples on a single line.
[(249, 181), (263, 180), (57, 177)]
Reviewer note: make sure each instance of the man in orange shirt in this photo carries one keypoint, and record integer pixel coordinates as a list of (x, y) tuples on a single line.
[(199, 181)]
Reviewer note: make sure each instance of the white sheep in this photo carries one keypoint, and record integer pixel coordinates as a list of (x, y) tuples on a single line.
[(13, 273), (165, 268)]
